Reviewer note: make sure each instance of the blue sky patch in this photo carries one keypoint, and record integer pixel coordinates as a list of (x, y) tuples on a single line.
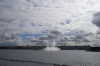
[(23, 36)]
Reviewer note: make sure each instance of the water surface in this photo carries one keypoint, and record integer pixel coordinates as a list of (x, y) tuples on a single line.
[(49, 58)]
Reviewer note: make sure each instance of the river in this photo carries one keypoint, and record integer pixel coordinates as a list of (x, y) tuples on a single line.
[(49, 58)]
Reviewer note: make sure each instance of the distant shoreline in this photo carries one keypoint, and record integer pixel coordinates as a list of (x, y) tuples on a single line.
[(87, 48), (42, 47)]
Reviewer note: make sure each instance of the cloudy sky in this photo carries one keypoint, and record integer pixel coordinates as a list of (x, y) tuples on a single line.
[(39, 22)]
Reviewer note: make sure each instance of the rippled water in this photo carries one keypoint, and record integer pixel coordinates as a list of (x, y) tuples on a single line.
[(49, 58)]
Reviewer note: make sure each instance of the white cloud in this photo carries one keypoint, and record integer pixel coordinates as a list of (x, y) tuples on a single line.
[(47, 13), (35, 16), (9, 39)]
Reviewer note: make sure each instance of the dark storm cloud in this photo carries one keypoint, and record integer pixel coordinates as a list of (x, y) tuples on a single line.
[(96, 14), (62, 40), (98, 31), (28, 0), (3, 25), (43, 42), (6, 16), (51, 35), (87, 34), (43, 38), (9, 39), (77, 38), (82, 38), (6, 20), (47, 37), (65, 39), (6, 36), (5, 5), (62, 23), (86, 40), (96, 19), (8, 30), (56, 32)]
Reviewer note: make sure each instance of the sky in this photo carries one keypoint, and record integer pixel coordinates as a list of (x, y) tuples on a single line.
[(40, 22)]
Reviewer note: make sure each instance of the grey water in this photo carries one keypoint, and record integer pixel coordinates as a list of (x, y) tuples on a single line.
[(49, 58)]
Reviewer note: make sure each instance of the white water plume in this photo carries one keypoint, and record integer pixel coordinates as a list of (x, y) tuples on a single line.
[(52, 48)]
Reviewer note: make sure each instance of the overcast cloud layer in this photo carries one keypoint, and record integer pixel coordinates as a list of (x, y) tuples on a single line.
[(64, 21)]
